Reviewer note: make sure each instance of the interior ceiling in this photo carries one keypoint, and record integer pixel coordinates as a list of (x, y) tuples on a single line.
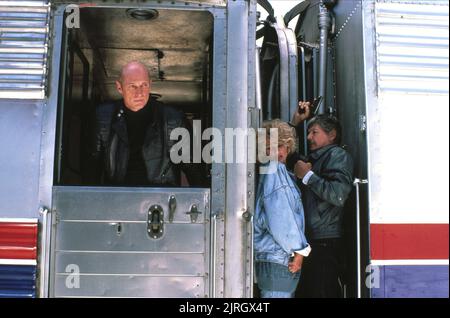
[(174, 46)]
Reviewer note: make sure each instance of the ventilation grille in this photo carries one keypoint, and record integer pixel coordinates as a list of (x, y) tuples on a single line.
[(23, 49), (412, 47)]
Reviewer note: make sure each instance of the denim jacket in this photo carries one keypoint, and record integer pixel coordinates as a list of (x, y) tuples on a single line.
[(279, 221)]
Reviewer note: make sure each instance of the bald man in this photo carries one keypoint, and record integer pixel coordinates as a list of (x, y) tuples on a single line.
[(132, 137)]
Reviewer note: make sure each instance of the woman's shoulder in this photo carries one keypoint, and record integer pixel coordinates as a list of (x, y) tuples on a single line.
[(275, 175)]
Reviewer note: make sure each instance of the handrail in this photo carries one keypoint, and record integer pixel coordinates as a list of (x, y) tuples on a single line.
[(43, 255), (356, 183)]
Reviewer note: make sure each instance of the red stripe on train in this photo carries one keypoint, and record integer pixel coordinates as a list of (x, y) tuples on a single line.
[(408, 241), (18, 240)]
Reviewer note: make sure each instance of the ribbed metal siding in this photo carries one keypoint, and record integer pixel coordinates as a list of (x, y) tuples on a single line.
[(412, 46), (23, 49), (17, 281), (18, 251), (18, 240)]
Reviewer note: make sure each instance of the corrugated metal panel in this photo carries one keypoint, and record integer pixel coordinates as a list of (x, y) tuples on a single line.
[(17, 281), (23, 49), (18, 240), (18, 244), (412, 46)]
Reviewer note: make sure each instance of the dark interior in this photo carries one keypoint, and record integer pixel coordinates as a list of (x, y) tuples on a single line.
[(174, 44)]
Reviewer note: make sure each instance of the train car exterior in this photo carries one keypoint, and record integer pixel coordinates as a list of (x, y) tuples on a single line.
[(51, 229), (381, 66), (387, 63), (406, 54)]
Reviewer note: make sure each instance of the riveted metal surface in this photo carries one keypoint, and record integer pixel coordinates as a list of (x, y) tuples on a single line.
[(20, 131), (102, 232)]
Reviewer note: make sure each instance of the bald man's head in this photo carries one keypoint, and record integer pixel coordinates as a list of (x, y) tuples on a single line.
[(133, 68), (134, 85)]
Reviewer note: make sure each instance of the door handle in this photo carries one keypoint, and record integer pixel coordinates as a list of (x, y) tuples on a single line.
[(155, 221), (172, 207)]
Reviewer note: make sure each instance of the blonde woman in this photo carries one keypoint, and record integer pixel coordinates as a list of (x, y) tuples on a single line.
[(279, 239)]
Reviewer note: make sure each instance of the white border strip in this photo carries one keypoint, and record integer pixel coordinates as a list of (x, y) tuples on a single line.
[(17, 220), (23, 3), (5, 261), (409, 262)]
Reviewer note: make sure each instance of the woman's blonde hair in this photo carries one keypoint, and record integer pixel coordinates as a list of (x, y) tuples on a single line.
[(286, 134)]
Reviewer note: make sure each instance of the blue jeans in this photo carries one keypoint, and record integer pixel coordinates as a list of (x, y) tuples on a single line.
[(275, 280)]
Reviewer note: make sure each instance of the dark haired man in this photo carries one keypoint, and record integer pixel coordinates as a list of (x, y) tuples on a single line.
[(326, 182)]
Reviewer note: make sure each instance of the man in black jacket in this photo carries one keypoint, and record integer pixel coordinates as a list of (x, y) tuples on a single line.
[(326, 182), (132, 137)]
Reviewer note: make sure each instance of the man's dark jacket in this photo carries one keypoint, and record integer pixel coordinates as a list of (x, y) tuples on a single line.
[(326, 192), (111, 152)]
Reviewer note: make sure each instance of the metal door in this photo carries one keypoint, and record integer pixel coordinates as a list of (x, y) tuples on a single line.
[(130, 242)]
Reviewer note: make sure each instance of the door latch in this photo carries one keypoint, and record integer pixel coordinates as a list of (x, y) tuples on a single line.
[(172, 207), (155, 222), (193, 213)]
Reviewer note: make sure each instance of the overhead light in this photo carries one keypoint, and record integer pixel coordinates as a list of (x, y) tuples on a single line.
[(142, 14)]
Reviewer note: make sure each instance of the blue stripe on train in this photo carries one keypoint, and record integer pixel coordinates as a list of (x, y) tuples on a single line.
[(17, 281), (406, 281)]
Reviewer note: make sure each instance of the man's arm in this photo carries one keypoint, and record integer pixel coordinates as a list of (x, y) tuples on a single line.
[(334, 184), (100, 125), (302, 113)]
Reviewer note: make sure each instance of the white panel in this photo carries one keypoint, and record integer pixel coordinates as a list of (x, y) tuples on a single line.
[(411, 166), (4, 261), (23, 3), (409, 262), (23, 48), (408, 111)]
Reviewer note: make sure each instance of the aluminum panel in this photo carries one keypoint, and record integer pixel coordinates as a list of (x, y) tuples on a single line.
[(23, 45), (47, 155), (20, 137), (237, 71), (219, 100), (125, 204), (183, 264), (131, 286), (103, 236), (412, 47), (102, 233)]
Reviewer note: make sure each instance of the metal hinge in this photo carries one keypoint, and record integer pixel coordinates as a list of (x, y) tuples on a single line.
[(362, 123)]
